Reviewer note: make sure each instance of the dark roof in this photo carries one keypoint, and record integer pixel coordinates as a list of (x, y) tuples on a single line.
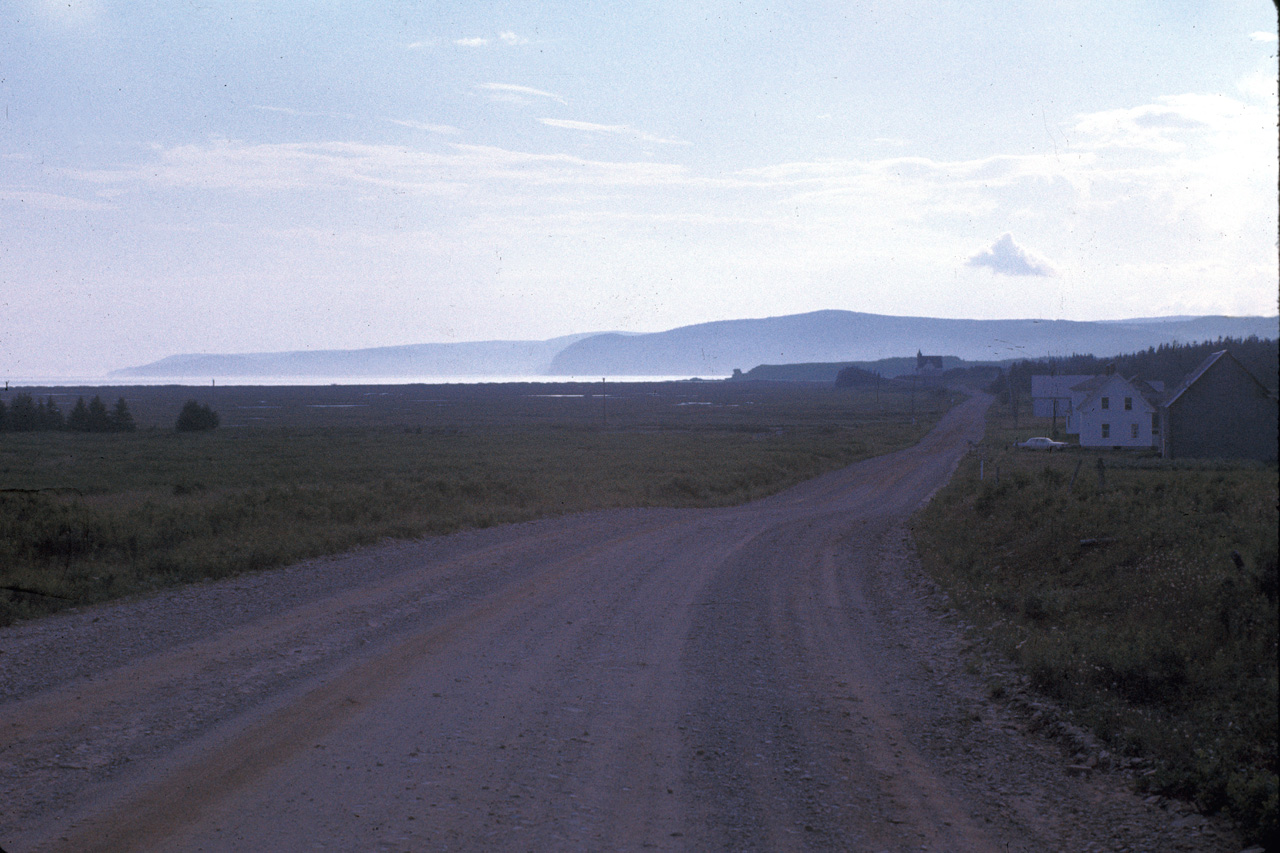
[(1148, 391), (1088, 386), (1045, 386), (1194, 376)]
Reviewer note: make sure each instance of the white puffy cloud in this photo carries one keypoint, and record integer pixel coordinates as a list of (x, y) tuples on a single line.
[(1263, 36), (1008, 258), (508, 37)]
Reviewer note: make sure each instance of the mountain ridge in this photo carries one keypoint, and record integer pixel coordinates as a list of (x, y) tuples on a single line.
[(718, 347), (469, 358)]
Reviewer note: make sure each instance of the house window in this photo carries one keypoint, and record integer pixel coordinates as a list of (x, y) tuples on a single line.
[(1128, 404), (1106, 428), (1155, 423), (1133, 430), (1106, 402)]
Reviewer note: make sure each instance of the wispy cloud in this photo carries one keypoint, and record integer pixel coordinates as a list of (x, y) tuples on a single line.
[(339, 166), (1162, 127), (423, 44), (506, 37), (610, 129), (32, 199), (1200, 197), (290, 111), (430, 128), (416, 125), (1264, 36), (1008, 258), (512, 93)]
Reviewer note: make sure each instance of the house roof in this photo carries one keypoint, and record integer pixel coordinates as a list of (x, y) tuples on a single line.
[(1044, 386), (1194, 376), (1148, 391), (1139, 389), (1087, 387)]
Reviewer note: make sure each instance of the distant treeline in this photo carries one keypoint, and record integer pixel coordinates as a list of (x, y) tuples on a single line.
[(973, 376), (26, 414), (1168, 363)]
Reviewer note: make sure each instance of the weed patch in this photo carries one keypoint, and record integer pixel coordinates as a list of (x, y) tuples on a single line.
[(1143, 599)]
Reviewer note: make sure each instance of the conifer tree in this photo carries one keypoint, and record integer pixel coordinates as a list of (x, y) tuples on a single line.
[(78, 420), (49, 416), (122, 418), (23, 415), (4, 416), (99, 418)]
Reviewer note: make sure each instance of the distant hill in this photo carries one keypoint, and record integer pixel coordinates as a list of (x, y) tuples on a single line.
[(481, 358), (828, 371), (716, 349)]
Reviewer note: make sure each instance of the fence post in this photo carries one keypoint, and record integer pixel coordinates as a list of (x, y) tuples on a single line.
[(1075, 474)]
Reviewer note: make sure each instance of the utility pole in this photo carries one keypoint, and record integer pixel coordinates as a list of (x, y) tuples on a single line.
[(604, 403)]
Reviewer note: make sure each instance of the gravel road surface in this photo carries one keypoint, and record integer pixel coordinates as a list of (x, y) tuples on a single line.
[(775, 676)]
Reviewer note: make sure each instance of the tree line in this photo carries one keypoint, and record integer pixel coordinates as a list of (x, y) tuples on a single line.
[(26, 414), (1167, 363)]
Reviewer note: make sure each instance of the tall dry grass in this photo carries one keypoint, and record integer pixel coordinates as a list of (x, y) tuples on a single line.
[(1143, 600), (87, 517)]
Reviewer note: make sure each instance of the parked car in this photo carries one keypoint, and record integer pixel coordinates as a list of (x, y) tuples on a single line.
[(1041, 442)]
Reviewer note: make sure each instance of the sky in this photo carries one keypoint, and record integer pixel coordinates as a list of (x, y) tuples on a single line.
[(246, 176)]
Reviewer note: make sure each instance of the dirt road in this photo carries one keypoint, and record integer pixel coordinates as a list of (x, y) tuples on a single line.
[(767, 677)]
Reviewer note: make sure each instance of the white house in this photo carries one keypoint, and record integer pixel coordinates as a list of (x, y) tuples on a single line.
[(1118, 412), (1080, 392)]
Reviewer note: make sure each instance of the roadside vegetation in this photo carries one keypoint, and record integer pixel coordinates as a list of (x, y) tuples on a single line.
[(85, 517), (1143, 598)]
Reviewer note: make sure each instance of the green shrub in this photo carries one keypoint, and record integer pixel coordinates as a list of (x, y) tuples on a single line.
[(196, 417)]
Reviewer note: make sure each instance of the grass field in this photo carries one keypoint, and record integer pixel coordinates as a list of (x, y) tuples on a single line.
[(1144, 601), (299, 472)]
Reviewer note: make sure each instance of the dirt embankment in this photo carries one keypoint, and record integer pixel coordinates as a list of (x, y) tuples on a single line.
[(768, 677)]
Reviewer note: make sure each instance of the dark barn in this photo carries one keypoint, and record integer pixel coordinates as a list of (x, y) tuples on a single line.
[(1219, 411)]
